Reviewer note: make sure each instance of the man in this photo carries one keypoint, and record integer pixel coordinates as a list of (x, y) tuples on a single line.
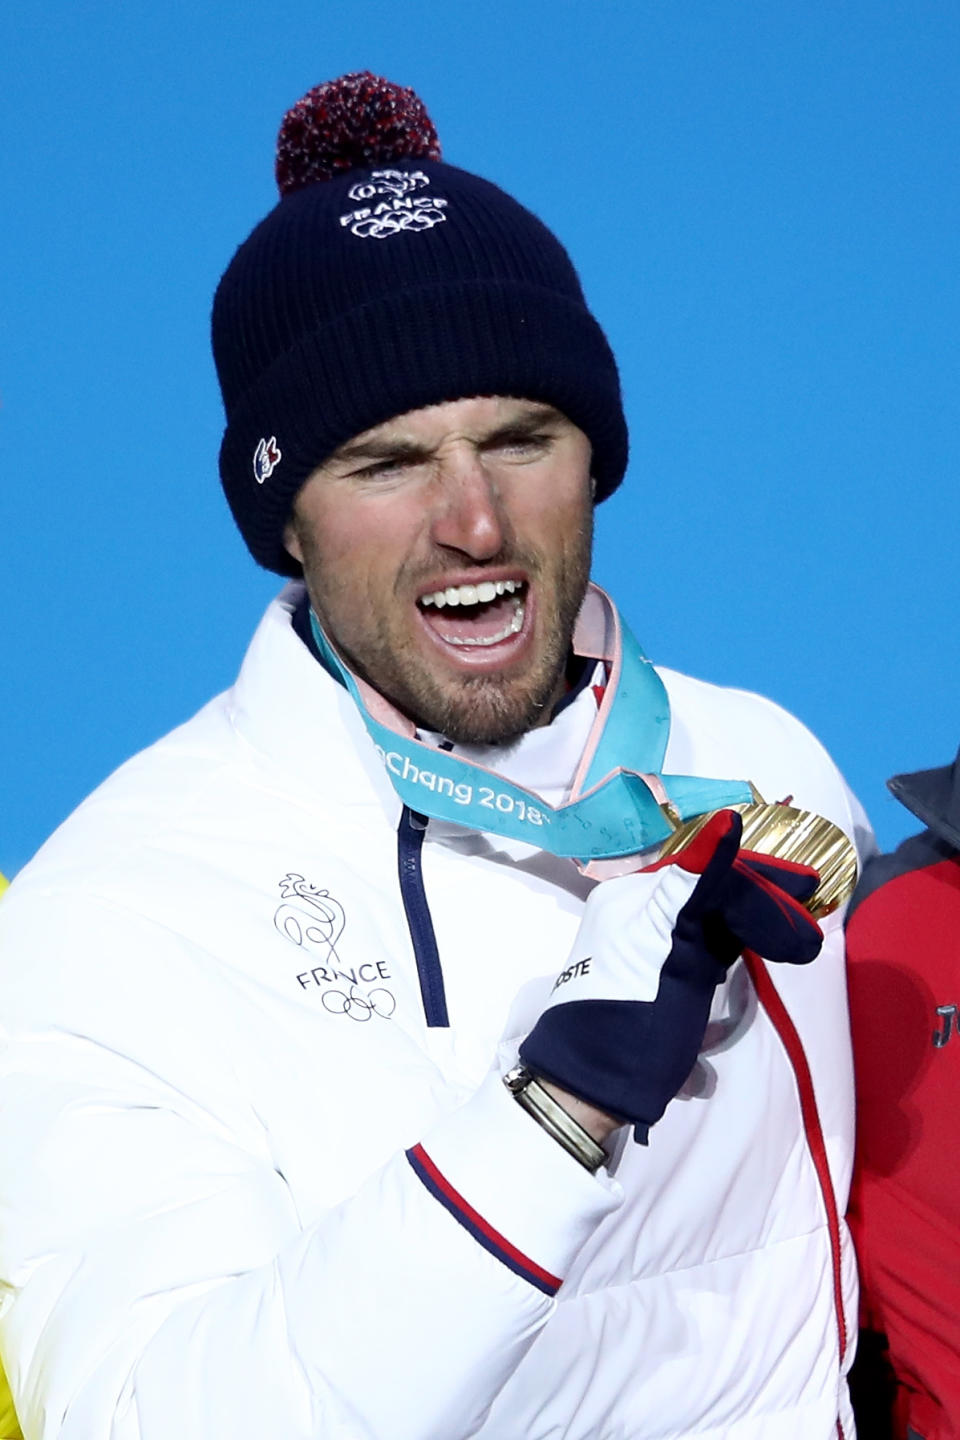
[(902, 942), (270, 1165)]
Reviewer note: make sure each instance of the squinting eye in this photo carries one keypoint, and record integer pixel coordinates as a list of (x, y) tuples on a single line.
[(524, 444), (384, 467)]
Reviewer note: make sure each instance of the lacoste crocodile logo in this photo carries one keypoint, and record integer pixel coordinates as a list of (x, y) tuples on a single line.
[(266, 458)]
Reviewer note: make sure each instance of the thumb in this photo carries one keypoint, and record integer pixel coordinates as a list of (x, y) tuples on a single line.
[(764, 918)]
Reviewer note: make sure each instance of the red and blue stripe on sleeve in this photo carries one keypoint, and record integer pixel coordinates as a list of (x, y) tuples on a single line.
[(484, 1234)]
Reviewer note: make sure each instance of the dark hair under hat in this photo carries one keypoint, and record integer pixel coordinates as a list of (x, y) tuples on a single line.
[(384, 281)]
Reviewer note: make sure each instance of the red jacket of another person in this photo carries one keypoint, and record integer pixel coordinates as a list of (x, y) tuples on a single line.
[(903, 945)]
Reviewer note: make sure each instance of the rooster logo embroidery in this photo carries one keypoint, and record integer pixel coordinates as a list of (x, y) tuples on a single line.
[(266, 458)]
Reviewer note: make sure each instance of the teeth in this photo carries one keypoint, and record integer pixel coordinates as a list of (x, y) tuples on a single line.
[(512, 628), (480, 594)]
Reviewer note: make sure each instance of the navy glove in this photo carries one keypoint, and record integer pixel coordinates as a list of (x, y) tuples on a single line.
[(627, 1015)]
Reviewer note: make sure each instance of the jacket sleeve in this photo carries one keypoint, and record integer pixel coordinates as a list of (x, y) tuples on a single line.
[(158, 1279)]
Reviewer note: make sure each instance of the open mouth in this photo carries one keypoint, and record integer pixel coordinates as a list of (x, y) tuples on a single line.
[(483, 614)]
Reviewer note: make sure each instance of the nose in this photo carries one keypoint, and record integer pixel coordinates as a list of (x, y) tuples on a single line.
[(468, 511)]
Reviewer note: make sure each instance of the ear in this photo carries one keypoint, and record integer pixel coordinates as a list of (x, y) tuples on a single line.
[(291, 540)]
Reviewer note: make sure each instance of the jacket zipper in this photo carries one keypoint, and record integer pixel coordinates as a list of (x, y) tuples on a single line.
[(410, 833)]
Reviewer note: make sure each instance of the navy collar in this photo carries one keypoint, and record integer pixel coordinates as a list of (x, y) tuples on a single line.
[(934, 797)]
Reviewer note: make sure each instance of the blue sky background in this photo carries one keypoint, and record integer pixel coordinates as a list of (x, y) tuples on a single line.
[(762, 201)]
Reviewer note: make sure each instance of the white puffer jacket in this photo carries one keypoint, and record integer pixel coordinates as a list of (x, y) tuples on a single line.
[(215, 1053)]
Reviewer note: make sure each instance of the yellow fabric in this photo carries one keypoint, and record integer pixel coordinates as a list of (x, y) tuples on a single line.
[(9, 1428)]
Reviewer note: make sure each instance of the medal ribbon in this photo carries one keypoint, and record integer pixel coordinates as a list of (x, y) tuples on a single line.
[(616, 806)]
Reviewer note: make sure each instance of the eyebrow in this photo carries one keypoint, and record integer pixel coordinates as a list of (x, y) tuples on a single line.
[(529, 423), (382, 449), (404, 449)]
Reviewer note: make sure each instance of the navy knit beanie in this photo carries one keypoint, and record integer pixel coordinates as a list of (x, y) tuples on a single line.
[(384, 281)]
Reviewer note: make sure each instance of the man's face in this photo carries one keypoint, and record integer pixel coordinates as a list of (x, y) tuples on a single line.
[(446, 553)]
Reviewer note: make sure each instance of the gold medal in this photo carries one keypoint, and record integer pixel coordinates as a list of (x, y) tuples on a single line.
[(788, 834)]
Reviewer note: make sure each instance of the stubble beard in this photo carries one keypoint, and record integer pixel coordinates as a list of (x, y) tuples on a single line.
[(473, 709)]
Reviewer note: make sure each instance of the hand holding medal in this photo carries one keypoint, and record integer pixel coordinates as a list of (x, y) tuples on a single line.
[(626, 1017), (798, 836)]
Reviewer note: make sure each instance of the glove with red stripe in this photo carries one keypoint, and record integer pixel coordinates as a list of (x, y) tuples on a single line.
[(627, 1015)]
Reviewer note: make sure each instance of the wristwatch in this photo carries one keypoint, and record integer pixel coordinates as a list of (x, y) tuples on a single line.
[(551, 1116)]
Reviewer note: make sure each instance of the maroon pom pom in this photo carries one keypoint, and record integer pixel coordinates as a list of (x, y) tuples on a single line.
[(358, 120)]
